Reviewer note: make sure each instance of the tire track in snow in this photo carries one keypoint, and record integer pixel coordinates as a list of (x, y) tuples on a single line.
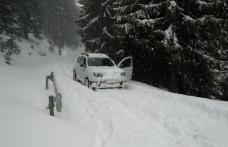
[(114, 120), (147, 119), (170, 120)]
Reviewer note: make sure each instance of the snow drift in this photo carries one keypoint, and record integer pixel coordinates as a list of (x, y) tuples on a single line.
[(138, 116)]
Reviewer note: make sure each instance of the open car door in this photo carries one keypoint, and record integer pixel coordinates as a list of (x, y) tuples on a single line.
[(127, 65)]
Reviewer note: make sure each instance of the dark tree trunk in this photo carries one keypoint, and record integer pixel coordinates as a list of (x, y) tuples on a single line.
[(173, 78), (25, 30), (60, 51)]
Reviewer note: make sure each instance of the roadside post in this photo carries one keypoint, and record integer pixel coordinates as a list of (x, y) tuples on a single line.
[(54, 101)]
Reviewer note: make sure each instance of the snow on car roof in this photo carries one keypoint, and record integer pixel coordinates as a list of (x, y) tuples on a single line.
[(96, 55)]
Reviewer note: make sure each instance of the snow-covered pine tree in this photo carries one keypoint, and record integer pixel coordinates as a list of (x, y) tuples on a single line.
[(8, 29), (141, 28), (202, 29), (28, 18), (96, 25), (17, 19), (7, 21), (181, 45), (148, 30), (57, 17)]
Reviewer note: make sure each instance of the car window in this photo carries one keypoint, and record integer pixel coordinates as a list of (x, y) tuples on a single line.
[(83, 62), (126, 63), (94, 61)]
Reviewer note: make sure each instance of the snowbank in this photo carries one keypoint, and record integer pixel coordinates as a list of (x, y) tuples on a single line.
[(138, 116)]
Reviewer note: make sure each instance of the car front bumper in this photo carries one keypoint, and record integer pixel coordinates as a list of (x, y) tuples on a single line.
[(107, 84)]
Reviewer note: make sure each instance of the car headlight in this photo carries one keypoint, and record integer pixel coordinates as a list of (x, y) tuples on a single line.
[(97, 74), (122, 73)]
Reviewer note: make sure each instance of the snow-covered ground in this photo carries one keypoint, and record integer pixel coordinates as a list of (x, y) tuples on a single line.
[(138, 116)]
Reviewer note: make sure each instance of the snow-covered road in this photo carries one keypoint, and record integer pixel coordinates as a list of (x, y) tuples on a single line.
[(141, 115), (138, 116)]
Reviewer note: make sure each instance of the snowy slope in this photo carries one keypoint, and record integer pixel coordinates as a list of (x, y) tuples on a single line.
[(138, 116), (25, 121)]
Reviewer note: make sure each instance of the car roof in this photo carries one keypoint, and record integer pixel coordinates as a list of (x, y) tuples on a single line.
[(95, 55)]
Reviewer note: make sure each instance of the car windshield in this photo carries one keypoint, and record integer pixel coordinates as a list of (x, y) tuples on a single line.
[(94, 61)]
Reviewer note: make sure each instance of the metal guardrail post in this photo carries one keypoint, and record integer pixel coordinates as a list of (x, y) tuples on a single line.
[(54, 99), (47, 78), (51, 105), (52, 76), (58, 101)]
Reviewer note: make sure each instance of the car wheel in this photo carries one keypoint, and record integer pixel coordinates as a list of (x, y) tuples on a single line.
[(94, 89), (87, 83), (121, 86)]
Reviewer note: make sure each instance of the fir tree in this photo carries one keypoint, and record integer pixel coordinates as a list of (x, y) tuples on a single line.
[(7, 20), (148, 26), (181, 45), (8, 29), (57, 17), (201, 28), (95, 24), (28, 18)]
